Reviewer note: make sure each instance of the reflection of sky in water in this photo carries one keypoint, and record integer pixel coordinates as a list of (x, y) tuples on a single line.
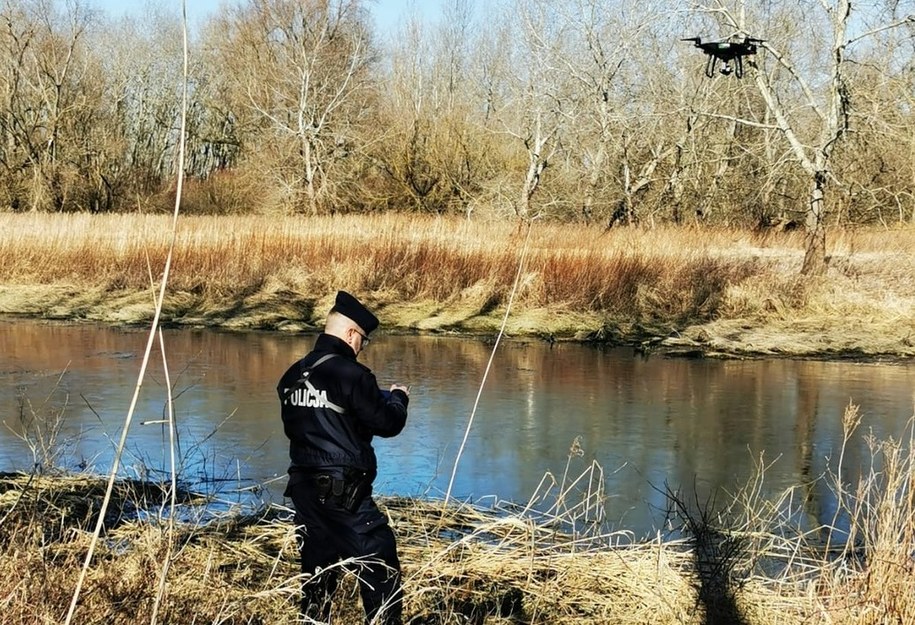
[(651, 424)]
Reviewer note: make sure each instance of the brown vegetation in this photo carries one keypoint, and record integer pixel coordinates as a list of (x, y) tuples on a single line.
[(700, 290), (508, 110), (749, 563)]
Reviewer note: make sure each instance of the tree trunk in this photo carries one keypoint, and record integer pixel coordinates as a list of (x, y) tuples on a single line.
[(815, 255), (537, 162), (308, 178)]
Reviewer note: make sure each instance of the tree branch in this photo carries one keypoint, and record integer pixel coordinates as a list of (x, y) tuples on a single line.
[(808, 93), (909, 19), (796, 146), (742, 121)]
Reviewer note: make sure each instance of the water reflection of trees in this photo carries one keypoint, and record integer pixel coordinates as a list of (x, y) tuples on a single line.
[(648, 421)]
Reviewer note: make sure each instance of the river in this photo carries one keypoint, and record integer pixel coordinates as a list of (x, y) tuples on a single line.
[(631, 426)]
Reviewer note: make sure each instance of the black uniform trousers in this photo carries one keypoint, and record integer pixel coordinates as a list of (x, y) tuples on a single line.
[(329, 533)]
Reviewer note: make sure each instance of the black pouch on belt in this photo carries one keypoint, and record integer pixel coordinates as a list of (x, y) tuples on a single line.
[(323, 486), (357, 486)]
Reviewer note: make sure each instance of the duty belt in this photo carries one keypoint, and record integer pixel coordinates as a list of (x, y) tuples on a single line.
[(347, 492), (329, 486)]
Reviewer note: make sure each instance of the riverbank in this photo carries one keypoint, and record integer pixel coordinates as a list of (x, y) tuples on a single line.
[(461, 565), (682, 291), (727, 296)]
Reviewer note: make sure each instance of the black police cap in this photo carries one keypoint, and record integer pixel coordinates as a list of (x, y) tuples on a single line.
[(349, 306)]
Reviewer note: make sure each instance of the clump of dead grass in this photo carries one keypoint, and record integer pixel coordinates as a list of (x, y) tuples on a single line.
[(233, 571), (873, 578), (752, 563)]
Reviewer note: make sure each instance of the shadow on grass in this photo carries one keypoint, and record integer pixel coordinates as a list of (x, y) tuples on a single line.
[(717, 555)]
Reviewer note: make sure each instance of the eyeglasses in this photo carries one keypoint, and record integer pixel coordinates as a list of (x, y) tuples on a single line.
[(365, 339)]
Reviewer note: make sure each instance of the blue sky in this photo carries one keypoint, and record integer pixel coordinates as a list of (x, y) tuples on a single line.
[(388, 13)]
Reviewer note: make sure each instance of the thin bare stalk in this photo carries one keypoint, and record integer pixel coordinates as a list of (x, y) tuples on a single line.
[(149, 344), (492, 355), (850, 421), (170, 527), (170, 532)]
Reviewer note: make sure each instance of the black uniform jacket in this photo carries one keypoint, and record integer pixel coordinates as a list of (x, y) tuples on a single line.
[(330, 423)]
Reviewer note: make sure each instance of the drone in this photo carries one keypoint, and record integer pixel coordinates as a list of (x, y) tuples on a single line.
[(727, 52)]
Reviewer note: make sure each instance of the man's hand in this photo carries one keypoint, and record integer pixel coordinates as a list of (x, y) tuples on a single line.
[(401, 387)]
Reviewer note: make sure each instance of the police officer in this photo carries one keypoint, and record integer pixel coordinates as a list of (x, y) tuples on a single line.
[(331, 408)]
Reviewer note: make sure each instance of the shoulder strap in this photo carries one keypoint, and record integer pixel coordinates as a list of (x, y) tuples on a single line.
[(320, 361)]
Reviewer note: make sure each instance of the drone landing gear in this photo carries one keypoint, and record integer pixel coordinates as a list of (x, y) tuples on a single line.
[(726, 69)]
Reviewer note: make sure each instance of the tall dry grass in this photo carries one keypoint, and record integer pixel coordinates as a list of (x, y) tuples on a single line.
[(414, 256), (747, 563), (873, 578), (444, 273)]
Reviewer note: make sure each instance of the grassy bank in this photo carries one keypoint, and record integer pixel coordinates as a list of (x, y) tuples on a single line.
[(684, 289), (747, 564)]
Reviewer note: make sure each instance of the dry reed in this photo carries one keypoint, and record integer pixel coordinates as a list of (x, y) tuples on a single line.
[(426, 273), (465, 564)]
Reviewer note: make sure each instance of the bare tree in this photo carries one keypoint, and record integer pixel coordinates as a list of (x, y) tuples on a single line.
[(465, 145), (404, 154), (540, 99), (823, 83), (301, 71), (19, 120), (44, 79), (585, 109), (429, 148), (605, 56), (141, 56), (626, 124), (879, 171)]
